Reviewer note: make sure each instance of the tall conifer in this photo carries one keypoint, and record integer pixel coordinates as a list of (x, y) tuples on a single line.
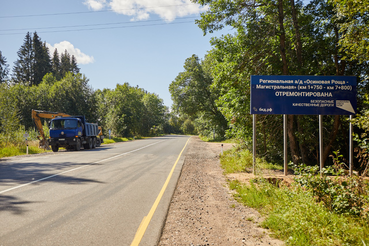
[(23, 66), (55, 63), (4, 68), (41, 62), (74, 65), (65, 65)]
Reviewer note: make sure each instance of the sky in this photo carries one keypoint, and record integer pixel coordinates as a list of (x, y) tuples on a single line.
[(142, 42)]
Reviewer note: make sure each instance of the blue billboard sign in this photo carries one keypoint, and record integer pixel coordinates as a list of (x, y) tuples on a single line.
[(310, 95)]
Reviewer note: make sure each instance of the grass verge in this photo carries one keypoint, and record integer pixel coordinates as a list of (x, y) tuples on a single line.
[(238, 160), (12, 149), (294, 216), (293, 213)]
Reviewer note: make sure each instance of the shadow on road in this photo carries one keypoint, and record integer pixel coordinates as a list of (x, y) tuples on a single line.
[(13, 174), (12, 204)]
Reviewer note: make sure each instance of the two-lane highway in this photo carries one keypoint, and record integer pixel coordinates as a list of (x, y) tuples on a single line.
[(112, 195)]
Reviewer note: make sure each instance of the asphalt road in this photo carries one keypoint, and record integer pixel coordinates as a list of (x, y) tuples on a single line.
[(90, 197)]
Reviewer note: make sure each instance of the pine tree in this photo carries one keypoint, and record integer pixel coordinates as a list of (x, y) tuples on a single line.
[(74, 65), (23, 66), (4, 68), (41, 62), (55, 63), (65, 65)]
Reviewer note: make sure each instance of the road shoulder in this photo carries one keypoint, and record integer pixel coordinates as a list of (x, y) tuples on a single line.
[(203, 211)]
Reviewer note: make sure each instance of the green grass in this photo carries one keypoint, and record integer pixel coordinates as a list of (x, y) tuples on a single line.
[(236, 160), (120, 139), (216, 140), (11, 149), (294, 216), (292, 213), (115, 140)]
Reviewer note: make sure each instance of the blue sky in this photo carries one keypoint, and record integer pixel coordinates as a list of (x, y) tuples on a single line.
[(142, 42)]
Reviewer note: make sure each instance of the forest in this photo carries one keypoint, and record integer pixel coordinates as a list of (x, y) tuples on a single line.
[(279, 37)]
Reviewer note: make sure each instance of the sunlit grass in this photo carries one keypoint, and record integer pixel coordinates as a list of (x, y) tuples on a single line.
[(238, 160), (292, 213), (293, 216), (12, 149)]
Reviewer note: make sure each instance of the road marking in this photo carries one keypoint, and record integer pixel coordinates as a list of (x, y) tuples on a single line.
[(58, 174), (146, 220)]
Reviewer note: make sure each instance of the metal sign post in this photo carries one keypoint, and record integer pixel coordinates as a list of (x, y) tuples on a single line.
[(254, 144), (285, 144), (321, 144), (351, 149)]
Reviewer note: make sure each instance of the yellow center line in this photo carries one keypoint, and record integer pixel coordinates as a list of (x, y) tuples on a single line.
[(146, 220)]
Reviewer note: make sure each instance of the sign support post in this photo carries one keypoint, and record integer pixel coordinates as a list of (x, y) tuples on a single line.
[(285, 144), (351, 149), (254, 143), (321, 144)]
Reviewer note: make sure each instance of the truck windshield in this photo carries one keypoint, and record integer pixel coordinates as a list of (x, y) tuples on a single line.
[(64, 124)]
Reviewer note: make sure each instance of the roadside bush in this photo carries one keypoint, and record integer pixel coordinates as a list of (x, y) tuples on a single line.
[(342, 195)]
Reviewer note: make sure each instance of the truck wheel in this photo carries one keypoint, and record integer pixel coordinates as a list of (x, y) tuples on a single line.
[(94, 143), (78, 145), (98, 142), (55, 148), (90, 143)]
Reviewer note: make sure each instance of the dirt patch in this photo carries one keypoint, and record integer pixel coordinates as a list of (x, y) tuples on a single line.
[(203, 211), (273, 176)]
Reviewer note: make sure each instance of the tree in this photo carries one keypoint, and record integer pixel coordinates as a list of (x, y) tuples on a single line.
[(154, 112), (55, 65), (65, 65), (33, 61), (192, 95), (23, 66), (74, 65), (4, 68), (354, 28), (41, 62)]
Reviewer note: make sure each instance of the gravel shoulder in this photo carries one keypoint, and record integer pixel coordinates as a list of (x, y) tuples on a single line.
[(203, 211)]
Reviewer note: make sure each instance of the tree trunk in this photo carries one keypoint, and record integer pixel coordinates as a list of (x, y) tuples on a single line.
[(332, 137), (292, 138), (298, 37), (282, 38), (290, 118), (301, 143)]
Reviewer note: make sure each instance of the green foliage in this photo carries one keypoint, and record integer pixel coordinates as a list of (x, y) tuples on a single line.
[(130, 111), (361, 138), (193, 97), (188, 127), (340, 195), (354, 27), (13, 143), (293, 216)]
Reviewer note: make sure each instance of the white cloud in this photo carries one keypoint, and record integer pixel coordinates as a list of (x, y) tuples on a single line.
[(168, 10), (65, 45), (95, 4)]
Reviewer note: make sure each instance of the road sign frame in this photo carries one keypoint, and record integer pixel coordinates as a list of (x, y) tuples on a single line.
[(303, 95)]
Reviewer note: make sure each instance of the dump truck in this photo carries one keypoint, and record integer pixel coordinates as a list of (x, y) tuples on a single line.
[(70, 132)]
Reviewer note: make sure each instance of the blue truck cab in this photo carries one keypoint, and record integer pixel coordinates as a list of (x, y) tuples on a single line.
[(72, 133)]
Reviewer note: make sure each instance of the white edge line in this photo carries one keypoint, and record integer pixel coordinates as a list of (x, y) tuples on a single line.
[(58, 174)]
